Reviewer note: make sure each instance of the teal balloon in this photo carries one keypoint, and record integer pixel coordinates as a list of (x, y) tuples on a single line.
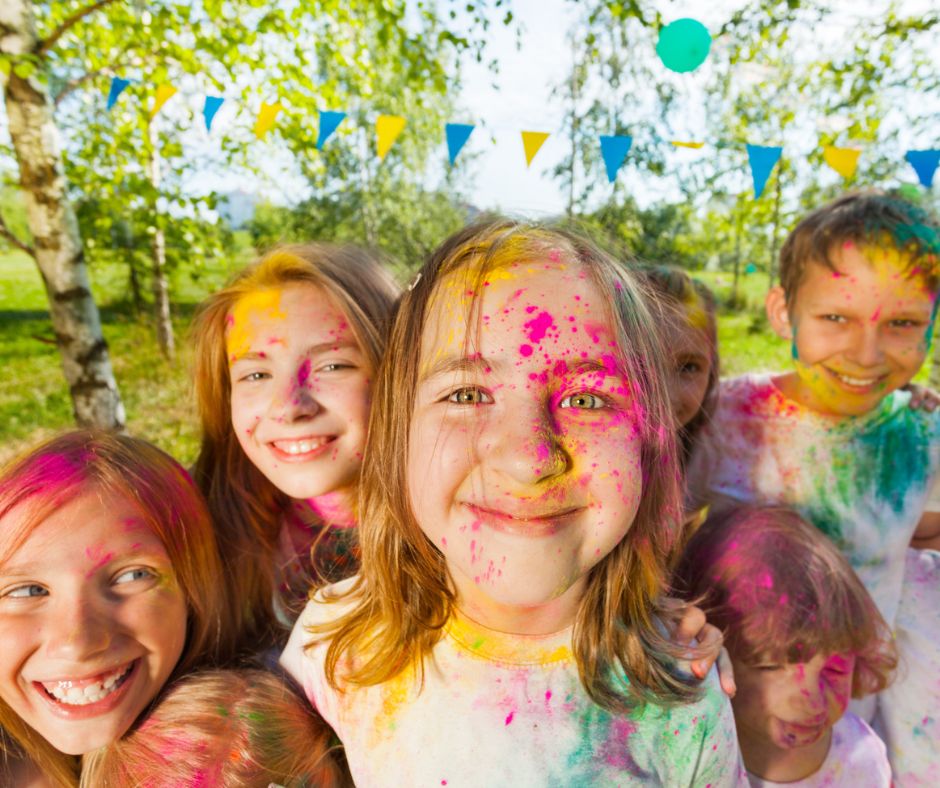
[(683, 45), (750, 268)]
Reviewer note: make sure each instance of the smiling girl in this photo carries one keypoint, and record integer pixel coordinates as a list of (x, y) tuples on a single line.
[(109, 586), (521, 501), (285, 357)]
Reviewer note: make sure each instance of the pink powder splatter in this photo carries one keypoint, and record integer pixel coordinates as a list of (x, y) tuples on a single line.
[(525, 350), (538, 326), (510, 716), (303, 374)]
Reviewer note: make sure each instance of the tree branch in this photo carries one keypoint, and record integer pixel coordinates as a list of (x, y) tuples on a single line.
[(74, 84), (8, 234), (69, 22)]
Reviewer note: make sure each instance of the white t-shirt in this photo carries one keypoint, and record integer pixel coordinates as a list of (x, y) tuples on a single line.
[(863, 481), (909, 710), (498, 709), (856, 759)]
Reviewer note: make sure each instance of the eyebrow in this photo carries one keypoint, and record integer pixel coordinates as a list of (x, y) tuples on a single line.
[(312, 351), (477, 364)]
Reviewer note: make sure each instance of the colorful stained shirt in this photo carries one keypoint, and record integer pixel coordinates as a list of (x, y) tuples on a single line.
[(864, 481), (498, 709), (856, 759), (909, 709), (308, 555)]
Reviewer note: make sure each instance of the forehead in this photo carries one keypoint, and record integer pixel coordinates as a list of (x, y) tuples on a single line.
[(522, 309), (296, 310), (30, 531), (863, 272)]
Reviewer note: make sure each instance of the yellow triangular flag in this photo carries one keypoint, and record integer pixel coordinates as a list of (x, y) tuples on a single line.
[(266, 118), (532, 141), (164, 94), (842, 160), (387, 129), (681, 144)]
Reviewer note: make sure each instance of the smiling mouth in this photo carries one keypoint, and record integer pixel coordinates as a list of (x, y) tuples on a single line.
[(301, 448), (84, 692), (853, 382), (525, 523)]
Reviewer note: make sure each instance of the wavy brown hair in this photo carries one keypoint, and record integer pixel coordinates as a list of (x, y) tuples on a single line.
[(169, 504), (247, 508), (404, 594), (223, 728), (780, 590)]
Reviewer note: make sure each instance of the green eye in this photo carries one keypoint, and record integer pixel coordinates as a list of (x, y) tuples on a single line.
[(582, 402), (129, 576), (470, 396)]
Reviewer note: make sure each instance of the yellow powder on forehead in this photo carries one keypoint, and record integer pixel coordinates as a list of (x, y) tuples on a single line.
[(696, 314), (892, 264), (242, 320)]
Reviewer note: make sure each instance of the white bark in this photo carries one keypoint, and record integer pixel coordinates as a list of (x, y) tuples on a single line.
[(161, 287), (57, 243)]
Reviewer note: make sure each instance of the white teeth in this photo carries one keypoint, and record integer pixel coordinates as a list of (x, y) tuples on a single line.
[(856, 381), (300, 447), (64, 692)]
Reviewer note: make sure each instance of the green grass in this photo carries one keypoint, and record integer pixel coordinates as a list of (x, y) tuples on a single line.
[(34, 399)]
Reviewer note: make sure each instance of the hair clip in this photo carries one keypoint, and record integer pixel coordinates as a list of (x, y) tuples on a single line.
[(415, 282)]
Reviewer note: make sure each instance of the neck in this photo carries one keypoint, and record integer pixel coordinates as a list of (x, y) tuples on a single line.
[(334, 508), (776, 764), (541, 619)]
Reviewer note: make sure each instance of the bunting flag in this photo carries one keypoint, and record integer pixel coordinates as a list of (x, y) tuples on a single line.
[(531, 142), (329, 122), (614, 151), (762, 160), (457, 135), (266, 118), (681, 144), (843, 160), (164, 94), (210, 108), (387, 129), (925, 164), (116, 89)]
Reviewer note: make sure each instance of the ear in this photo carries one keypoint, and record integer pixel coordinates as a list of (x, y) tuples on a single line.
[(777, 313)]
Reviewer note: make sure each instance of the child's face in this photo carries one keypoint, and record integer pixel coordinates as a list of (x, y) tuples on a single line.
[(789, 706), (524, 461), (92, 622), (858, 333), (300, 390), (690, 363)]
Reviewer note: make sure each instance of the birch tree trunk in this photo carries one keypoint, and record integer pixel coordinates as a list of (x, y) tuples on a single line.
[(57, 245), (161, 287)]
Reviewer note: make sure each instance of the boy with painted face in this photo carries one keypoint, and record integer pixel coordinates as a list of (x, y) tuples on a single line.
[(834, 437)]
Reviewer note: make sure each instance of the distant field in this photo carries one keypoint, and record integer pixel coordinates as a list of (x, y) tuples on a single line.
[(34, 400)]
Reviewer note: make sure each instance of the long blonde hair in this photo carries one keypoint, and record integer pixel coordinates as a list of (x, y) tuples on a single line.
[(404, 594), (170, 505), (227, 729), (246, 507)]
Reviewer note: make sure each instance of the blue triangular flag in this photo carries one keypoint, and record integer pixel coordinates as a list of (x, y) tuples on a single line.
[(614, 150), (210, 108), (925, 164), (117, 88), (457, 136), (762, 160), (328, 123)]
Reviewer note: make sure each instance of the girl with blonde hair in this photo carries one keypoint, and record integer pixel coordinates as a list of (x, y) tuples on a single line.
[(109, 587), (284, 361), (225, 729), (520, 505)]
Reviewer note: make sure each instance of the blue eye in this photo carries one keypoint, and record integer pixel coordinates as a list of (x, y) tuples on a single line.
[(130, 575), (471, 395), (27, 591), (582, 401)]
